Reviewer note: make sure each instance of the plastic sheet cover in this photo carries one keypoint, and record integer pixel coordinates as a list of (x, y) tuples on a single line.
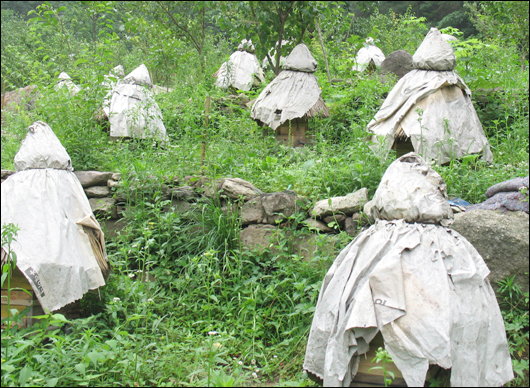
[(434, 109), (53, 246), (240, 71), (370, 52), (425, 287), (133, 111)]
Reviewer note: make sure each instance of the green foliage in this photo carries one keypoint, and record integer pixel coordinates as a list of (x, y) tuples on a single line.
[(383, 356)]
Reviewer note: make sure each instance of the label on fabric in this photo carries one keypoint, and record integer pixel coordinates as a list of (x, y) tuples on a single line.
[(34, 276)]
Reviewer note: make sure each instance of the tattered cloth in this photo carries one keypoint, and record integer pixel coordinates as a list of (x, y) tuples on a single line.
[(370, 52), (435, 110), (60, 246), (505, 196), (424, 286)]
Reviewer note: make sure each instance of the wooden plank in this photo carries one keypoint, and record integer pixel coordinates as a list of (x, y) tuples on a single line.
[(18, 280)]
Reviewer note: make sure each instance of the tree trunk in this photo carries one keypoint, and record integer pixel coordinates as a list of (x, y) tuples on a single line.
[(323, 49)]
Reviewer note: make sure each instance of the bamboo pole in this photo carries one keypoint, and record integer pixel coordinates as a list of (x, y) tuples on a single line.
[(206, 112), (323, 50)]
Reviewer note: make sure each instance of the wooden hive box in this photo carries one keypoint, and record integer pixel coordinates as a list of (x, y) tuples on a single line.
[(374, 378), (295, 133), (20, 300)]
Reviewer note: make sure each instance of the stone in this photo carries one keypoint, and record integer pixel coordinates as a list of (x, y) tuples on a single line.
[(183, 193), (347, 205), (116, 176), (318, 225), (113, 183), (6, 173), (233, 188), (313, 245), (13, 98), (257, 236), (93, 178), (338, 218), (501, 239), (398, 62), (112, 228), (351, 226), (98, 191), (367, 210), (252, 212), (104, 207)]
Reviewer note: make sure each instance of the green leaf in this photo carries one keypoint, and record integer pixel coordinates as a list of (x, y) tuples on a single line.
[(79, 61), (25, 374)]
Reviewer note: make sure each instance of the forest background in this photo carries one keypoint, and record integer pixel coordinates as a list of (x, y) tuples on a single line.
[(217, 314)]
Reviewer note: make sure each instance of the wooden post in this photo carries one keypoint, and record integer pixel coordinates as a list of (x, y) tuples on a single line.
[(323, 49), (206, 112)]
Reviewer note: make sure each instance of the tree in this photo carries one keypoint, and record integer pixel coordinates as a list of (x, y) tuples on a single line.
[(270, 22), (503, 22)]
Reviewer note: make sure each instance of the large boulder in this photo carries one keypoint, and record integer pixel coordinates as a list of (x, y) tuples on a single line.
[(501, 239), (397, 62), (233, 188), (14, 98), (257, 236), (347, 205)]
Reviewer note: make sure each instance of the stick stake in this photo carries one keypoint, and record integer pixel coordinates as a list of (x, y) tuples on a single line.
[(206, 112)]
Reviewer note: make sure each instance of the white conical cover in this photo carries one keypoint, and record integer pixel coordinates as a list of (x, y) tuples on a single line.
[(434, 53), (42, 149), (139, 76), (301, 59), (412, 191)]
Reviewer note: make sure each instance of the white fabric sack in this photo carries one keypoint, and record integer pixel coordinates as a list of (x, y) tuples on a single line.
[(110, 81), (434, 53), (445, 101), (423, 285), (419, 195), (48, 204), (370, 52), (292, 92), (240, 71), (133, 111), (66, 82)]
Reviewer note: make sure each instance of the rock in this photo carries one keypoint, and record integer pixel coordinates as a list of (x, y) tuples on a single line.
[(270, 208), (113, 183), (252, 212), (397, 62), (6, 173), (319, 225), (93, 178), (98, 191), (367, 210), (257, 236), (233, 188), (183, 193), (116, 176), (350, 226), (501, 239), (104, 207), (311, 245), (349, 204), (338, 218)]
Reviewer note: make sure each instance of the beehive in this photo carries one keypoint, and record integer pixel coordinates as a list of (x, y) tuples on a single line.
[(22, 296)]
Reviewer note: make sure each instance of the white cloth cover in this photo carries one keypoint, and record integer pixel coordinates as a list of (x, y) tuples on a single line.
[(434, 53), (286, 45), (419, 195), (240, 71), (66, 82), (426, 288), (133, 111), (292, 92), (46, 201), (301, 59), (111, 80), (445, 101), (370, 52)]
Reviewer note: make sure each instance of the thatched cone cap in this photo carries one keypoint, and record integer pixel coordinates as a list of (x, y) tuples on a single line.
[(301, 59), (434, 53)]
